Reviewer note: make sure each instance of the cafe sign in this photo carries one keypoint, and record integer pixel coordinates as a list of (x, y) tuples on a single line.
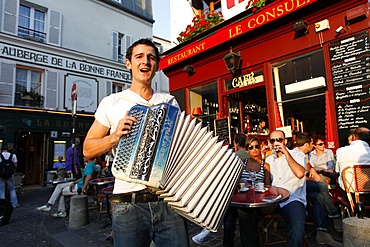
[(267, 14), (244, 80)]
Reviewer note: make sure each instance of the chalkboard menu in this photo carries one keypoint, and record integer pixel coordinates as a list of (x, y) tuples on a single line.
[(350, 67), (222, 130)]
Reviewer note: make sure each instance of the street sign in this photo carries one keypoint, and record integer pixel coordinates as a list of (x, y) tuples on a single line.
[(74, 99)]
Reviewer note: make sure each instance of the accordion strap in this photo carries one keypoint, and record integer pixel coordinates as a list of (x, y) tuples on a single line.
[(167, 98)]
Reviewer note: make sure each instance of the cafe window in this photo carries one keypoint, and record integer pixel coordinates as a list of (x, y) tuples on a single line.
[(300, 85), (205, 97), (247, 109), (29, 87)]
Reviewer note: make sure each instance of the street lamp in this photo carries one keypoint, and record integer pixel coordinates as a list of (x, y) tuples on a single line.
[(232, 61)]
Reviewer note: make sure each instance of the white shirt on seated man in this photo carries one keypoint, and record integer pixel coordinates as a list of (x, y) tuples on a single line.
[(357, 153)]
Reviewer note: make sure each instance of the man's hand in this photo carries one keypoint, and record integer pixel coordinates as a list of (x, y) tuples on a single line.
[(123, 128), (314, 175)]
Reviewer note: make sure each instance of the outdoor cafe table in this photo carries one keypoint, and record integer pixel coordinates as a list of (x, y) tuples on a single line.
[(98, 183), (107, 192), (257, 202), (253, 199), (54, 182)]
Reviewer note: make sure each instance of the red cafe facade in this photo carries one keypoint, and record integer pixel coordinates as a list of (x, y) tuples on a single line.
[(305, 66)]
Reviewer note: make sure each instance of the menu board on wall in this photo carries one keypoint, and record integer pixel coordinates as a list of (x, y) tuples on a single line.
[(350, 67), (222, 130)]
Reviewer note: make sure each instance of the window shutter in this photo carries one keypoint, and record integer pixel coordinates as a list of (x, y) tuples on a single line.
[(115, 46), (10, 22), (109, 88), (7, 76), (51, 87), (55, 28), (128, 43)]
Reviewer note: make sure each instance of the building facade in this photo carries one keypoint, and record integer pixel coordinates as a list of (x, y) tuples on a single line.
[(303, 67), (47, 47)]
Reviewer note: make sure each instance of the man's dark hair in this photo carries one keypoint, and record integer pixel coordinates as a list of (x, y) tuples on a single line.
[(240, 139), (4, 147), (318, 137), (303, 138), (362, 134), (145, 41)]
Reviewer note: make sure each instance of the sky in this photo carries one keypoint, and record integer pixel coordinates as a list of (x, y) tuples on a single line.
[(161, 13)]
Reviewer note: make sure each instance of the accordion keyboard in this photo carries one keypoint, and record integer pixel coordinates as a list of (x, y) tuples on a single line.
[(122, 159)]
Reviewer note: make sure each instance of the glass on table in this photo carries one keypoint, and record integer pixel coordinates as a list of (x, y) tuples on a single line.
[(252, 176)]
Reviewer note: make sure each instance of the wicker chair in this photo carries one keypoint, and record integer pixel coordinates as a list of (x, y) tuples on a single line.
[(356, 180)]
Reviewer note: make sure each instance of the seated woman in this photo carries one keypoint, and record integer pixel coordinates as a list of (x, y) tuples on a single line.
[(70, 188), (248, 220)]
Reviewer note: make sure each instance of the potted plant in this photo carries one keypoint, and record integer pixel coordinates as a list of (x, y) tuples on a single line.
[(32, 96), (200, 24)]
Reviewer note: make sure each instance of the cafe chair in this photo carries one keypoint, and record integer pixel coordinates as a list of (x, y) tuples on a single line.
[(18, 182), (356, 180), (61, 173), (272, 237)]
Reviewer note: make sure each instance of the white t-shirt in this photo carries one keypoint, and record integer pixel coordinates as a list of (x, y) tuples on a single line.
[(283, 177), (113, 108), (357, 153), (6, 156)]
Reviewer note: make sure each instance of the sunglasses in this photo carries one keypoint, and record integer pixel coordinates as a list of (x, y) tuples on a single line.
[(255, 146), (272, 140), (320, 144)]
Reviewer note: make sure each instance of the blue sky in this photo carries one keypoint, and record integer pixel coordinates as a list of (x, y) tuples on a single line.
[(161, 13)]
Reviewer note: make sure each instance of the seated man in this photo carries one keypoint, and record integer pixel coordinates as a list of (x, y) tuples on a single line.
[(70, 188), (60, 163), (288, 172), (358, 152), (318, 197)]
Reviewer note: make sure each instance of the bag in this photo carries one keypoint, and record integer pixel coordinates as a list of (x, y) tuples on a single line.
[(6, 210), (6, 167)]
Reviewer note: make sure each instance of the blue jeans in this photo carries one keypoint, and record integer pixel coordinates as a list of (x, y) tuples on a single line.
[(294, 215), (229, 226), (322, 188), (11, 187), (137, 224)]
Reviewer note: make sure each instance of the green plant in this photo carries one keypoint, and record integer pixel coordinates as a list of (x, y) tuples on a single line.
[(32, 95), (200, 24), (254, 5)]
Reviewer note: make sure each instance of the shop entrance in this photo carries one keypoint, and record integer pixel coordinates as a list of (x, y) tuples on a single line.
[(30, 155)]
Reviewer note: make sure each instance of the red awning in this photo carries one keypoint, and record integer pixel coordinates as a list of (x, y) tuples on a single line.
[(329, 131)]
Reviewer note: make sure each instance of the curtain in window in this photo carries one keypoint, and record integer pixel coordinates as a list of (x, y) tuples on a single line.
[(21, 80)]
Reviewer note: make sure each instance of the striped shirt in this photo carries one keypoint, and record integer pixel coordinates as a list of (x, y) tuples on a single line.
[(260, 175)]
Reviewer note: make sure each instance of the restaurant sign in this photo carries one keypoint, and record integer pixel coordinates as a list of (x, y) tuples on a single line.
[(266, 15)]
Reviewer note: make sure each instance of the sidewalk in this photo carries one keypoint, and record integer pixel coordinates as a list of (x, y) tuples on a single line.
[(29, 227)]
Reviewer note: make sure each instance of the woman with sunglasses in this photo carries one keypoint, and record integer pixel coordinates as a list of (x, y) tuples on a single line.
[(248, 221), (256, 162)]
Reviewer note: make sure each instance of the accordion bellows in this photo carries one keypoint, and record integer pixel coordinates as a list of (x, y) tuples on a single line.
[(196, 175)]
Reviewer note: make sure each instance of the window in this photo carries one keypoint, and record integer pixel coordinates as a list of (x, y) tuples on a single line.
[(205, 97), (118, 87), (28, 88), (120, 44), (31, 24)]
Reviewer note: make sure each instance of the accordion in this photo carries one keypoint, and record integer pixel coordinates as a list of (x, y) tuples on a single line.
[(196, 175)]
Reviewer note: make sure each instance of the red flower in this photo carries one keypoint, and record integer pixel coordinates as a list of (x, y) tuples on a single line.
[(200, 24)]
